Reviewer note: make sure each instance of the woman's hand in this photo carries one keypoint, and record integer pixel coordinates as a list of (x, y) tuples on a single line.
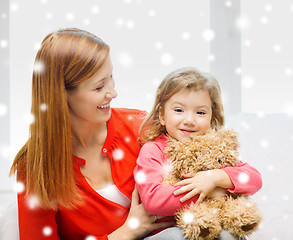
[(203, 183), (139, 222)]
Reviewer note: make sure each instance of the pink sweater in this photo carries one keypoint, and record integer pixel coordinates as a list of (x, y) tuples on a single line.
[(159, 198)]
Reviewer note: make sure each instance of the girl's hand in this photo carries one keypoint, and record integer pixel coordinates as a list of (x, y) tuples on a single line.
[(202, 183), (139, 222)]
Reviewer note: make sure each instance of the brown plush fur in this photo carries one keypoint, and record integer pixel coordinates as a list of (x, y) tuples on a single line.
[(234, 212)]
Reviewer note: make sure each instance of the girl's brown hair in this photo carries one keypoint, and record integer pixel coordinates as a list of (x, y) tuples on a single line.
[(65, 59), (178, 80)]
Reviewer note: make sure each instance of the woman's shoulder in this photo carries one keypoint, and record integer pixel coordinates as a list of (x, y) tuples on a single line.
[(128, 113)]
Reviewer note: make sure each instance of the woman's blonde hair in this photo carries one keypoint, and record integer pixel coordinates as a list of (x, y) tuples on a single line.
[(182, 79), (65, 59)]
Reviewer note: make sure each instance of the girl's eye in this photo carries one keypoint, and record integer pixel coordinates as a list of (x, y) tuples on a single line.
[(178, 110), (201, 113)]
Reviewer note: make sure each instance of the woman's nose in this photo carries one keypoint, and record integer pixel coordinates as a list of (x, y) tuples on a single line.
[(111, 93)]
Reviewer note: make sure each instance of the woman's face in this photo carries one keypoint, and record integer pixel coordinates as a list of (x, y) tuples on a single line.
[(90, 101)]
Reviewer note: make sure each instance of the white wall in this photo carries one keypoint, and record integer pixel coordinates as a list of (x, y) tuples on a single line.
[(150, 38)]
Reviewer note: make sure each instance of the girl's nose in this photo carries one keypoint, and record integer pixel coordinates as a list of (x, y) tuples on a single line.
[(189, 120)]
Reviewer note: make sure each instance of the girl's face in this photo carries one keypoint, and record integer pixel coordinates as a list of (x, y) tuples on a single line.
[(187, 113), (90, 101)]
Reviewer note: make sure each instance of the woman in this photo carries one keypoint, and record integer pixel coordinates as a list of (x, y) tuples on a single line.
[(77, 165)]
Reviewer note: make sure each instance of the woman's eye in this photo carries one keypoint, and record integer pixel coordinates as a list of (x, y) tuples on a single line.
[(99, 88)]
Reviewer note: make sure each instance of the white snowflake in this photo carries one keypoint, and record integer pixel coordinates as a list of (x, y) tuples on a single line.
[(140, 177), (33, 202), (37, 46), (19, 187), (264, 143), (120, 22), (247, 43), (49, 15), (47, 231), (228, 3), (247, 82), (39, 66), (211, 58), (271, 168), (86, 22), (188, 217), (166, 59), (43, 107), (286, 198), (158, 45), (95, 9), (5, 151), (152, 13), (4, 43), (29, 118), (238, 70), (90, 237), (14, 7), (242, 23), (268, 8), (118, 154), (133, 223), (185, 36), (130, 24), (208, 35), (70, 16), (243, 178), (125, 60), (3, 109), (277, 48), (264, 20), (288, 71)]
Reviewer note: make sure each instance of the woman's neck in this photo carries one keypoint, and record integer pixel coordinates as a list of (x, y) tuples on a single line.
[(86, 135)]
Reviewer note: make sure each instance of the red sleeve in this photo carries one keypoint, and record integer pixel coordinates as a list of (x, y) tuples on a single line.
[(156, 197), (245, 178), (34, 222)]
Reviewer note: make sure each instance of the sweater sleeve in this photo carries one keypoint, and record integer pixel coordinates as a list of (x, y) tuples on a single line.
[(35, 222), (245, 178), (156, 197)]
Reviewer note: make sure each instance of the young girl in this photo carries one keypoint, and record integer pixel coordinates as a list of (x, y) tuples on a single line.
[(188, 102)]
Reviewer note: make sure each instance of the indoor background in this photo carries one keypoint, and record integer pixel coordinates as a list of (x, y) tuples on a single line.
[(246, 45)]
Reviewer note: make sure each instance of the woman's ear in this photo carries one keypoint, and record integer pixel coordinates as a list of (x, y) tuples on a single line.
[(161, 116)]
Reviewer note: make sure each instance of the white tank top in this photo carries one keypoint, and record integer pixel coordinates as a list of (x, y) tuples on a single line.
[(113, 194)]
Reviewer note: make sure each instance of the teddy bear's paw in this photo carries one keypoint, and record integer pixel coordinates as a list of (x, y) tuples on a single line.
[(199, 222), (249, 227), (204, 232), (241, 216)]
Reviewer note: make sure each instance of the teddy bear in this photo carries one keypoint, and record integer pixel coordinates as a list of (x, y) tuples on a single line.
[(236, 213)]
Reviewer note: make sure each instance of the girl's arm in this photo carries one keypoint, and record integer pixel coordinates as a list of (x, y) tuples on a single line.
[(156, 197), (241, 179)]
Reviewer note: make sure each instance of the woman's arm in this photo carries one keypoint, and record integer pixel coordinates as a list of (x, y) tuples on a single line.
[(35, 222), (139, 222)]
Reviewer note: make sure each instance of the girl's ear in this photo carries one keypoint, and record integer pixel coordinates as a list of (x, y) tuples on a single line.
[(161, 116)]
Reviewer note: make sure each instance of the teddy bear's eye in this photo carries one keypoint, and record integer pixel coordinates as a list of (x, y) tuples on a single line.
[(219, 160)]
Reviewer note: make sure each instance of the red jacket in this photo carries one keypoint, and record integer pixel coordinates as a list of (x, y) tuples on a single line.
[(98, 217)]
